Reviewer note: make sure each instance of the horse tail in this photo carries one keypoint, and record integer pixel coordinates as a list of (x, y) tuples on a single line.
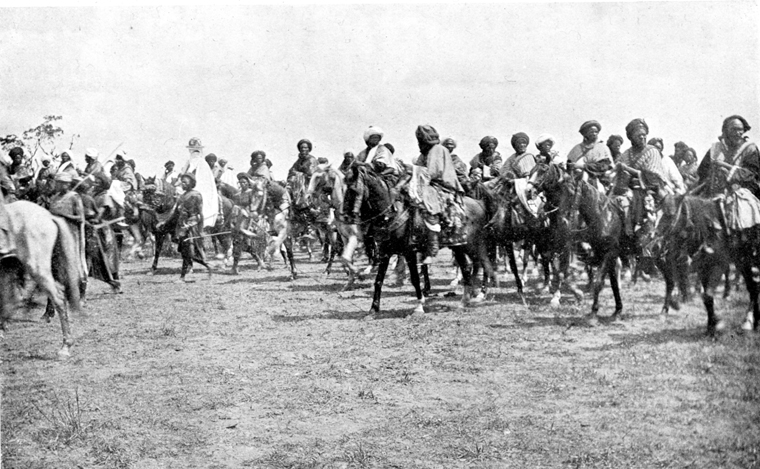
[(67, 265)]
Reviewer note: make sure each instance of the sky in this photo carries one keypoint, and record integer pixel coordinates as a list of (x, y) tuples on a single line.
[(262, 77)]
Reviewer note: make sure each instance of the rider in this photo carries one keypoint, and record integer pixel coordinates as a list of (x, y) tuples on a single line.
[(93, 165), (591, 155), (515, 170), (277, 210), (731, 168), (459, 165), (259, 165), (306, 162), (438, 190), (546, 155), (348, 161), (488, 160)]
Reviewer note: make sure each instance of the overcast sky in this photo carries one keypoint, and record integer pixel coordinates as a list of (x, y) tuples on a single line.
[(263, 77)]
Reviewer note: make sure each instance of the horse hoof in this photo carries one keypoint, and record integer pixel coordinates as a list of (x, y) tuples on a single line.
[(420, 309), (592, 320), (479, 298), (64, 353), (554, 303), (369, 317), (617, 315)]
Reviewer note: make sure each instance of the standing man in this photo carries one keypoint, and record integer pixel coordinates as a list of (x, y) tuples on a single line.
[(189, 226), (204, 182)]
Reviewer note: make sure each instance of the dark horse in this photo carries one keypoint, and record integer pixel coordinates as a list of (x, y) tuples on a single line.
[(159, 198), (694, 227), (396, 227), (602, 230)]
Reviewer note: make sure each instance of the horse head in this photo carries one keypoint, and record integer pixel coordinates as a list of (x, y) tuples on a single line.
[(297, 187), (319, 178)]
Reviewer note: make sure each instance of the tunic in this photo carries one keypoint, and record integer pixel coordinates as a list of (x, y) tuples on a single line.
[(190, 224), (589, 153), (305, 165), (518, 166), (490, 165)]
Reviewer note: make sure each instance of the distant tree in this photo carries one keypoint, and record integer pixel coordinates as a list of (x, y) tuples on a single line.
[(45, 137)]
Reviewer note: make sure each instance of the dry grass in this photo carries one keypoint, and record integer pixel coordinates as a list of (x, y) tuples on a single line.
[(255, 371)]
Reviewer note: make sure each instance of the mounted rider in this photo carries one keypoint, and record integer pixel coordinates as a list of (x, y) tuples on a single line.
[(488, 160), (380, 157), (731, 171), (306, 162), (591, 155), (259, 165), (436, 189), (640, 182), (514, 175)]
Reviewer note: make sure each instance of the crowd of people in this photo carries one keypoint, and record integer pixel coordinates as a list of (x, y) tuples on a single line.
[(96, 200)]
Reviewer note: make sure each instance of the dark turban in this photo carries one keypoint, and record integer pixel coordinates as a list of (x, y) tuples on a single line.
[(614, 138), (302, 141), (728, 120), (168, 163), (17, 151), (681, 145), (190, 177), (487, 140), (259, 153), (634, 125), (449, 140), (519, 136), (427, 134), (101, 179), (322, 160), (390, 148), (586, 125), (131, 163), (211, 158)]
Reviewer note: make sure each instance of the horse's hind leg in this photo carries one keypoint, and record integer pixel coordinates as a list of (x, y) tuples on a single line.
[(461, 258), (382, 268), (753, 311), (57, 302), (614, 272), (414, 277), (710, 277)]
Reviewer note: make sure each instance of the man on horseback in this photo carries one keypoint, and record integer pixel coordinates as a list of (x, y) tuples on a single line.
[(438, 192), (348, 161), (379, 157), (306, 162), (591, 155), (731, 170), (259, 165), (488, 160)]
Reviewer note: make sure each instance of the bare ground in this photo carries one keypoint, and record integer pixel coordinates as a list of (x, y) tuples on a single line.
[(257, 371)]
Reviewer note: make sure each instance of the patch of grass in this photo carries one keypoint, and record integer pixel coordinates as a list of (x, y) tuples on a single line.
[(64, 417), (358, 456), (111, 452)]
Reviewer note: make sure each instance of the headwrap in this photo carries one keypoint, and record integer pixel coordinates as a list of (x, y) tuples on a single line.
[(65, 153), (131, 163), (372, 130), (449, 140), (168, 163), (92, 153), (348, 151), (119, 156), (592, 123), (544, 138), (322, 160), (728, 119), (427, 134), (244, 176), (681, 144), (487, 140), (519, 136), (222, 162), (45, 158), (191, 177), (16, 151), (613, 138), (64, 177), (210, 158), (302, 141), (260, 153), (654, 140), (634, 125), (390, 147)]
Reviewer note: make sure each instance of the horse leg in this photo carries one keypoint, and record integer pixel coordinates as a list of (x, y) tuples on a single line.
[(136, 249), (56, 302), (461, 257), (727, 282), (160, 236), (615, 267), (400, 271), (291, 262), (382, 268), (426, 287), (515, 271), (753, 311), (710, 277), (414, 277), (668, 276), (598, 285)]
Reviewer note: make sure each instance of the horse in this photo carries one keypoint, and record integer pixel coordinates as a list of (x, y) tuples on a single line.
[(603, 231), (694, 227), (221, 232), (396, 230), (156, 213), (304, 216), (45, 250)]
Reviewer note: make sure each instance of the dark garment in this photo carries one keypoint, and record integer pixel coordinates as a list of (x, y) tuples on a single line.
[(305, 165), (100, 242), (746, 174), (494, 162), (189, 226)]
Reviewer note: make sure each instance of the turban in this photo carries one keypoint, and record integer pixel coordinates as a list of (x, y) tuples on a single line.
[(119, 156), (519, 136), (449, 141), (427, 134), (348, 151), (728, 120), (92, 153), (211, 158), (258, 153), (64, 177), (17, 151), (372, 130), (189, 176), (654, 140), (170, 162), (222, 162), (244, 176), (588, 124), (302, 141), (322, 160), (487, 140), (101, 179), (680, 144), (65, 154), (45, 158), (544, 138), (390, 148), (131, 163), (634, 125)]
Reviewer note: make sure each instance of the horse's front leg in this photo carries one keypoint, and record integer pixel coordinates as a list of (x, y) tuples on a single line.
[(597, 285), (382, 268), (515, 270), (160, 236), (710, 276), (615, 267), (461, 259), (414, 277), (753, 311), (667, 271), (426, 280)]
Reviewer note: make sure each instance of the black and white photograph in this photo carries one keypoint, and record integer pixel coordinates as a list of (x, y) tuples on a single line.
[(372, 235)]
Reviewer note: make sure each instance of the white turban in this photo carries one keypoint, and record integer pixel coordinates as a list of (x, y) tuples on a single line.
[(543, 138), (373, 130), (92, 153)]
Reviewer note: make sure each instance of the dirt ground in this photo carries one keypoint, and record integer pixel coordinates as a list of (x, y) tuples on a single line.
[(258, 371)]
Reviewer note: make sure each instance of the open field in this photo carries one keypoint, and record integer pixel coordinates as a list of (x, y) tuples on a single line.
[(256, 371)]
